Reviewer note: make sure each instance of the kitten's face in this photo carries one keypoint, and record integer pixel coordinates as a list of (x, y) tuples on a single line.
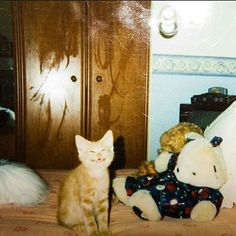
[(96, 154)]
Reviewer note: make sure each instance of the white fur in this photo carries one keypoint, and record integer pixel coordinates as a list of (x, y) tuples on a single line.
[(11, 115), (224, 126), (20, 185)]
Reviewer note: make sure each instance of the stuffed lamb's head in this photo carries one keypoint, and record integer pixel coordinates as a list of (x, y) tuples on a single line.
[(201, 163)]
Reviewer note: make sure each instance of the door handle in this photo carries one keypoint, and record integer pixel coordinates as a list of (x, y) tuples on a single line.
[(99, 78), (73, 78)]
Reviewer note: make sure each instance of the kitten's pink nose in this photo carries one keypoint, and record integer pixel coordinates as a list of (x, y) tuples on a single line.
[(99, 156)]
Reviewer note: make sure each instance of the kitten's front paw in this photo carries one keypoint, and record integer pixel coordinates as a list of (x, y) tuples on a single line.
[(105, 233), (115, 200), (94, 233), (79, 228)]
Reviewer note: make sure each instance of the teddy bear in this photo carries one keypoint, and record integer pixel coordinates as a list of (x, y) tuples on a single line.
[(173, 139), (187, 187), (147, 168)]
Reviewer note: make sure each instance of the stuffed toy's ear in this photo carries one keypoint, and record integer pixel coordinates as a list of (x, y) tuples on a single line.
[(192, 136)]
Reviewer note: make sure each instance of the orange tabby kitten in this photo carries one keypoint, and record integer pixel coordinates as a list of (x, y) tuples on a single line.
[(83, 197)]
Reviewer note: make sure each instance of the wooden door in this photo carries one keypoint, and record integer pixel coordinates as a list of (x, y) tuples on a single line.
[(118, 52), (53, 86), (85, 71)]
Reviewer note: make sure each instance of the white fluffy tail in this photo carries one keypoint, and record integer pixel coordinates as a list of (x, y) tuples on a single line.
[(20, 185)]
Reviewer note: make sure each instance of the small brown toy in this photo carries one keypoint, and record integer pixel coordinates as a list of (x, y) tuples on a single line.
[(173, 139), (147, 168)]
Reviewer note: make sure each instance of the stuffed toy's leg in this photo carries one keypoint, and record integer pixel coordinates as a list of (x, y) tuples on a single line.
[(143, 203), (118, 185), (204, 211)]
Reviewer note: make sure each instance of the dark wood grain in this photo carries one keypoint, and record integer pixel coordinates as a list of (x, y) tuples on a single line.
[(83, 70)]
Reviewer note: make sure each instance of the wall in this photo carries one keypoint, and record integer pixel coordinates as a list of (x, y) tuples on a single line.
[(201, 55)]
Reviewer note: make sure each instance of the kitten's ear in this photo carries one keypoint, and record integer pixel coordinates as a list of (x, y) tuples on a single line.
[(107, 139), (81, 143)]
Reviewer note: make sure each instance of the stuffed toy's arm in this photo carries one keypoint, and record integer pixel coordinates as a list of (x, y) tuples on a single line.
[(124, 187), (162, 160), (118, 185)]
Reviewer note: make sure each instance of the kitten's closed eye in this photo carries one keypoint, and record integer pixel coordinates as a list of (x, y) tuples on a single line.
[(103, 150)]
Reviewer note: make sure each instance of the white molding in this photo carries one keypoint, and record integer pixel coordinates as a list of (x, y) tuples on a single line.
[(193, 65)]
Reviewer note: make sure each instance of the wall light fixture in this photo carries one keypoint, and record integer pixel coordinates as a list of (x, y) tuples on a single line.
[(168, 22)]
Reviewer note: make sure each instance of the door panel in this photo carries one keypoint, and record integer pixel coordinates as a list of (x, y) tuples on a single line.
[(52, 34), (85, 71), (118, 75)]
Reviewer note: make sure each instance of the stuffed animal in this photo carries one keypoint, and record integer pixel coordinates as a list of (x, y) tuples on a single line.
[(173, 139), (188, 188), (147, 168), (225, 126)]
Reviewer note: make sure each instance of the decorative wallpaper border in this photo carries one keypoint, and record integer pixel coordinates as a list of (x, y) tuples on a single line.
[(194, 65)]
